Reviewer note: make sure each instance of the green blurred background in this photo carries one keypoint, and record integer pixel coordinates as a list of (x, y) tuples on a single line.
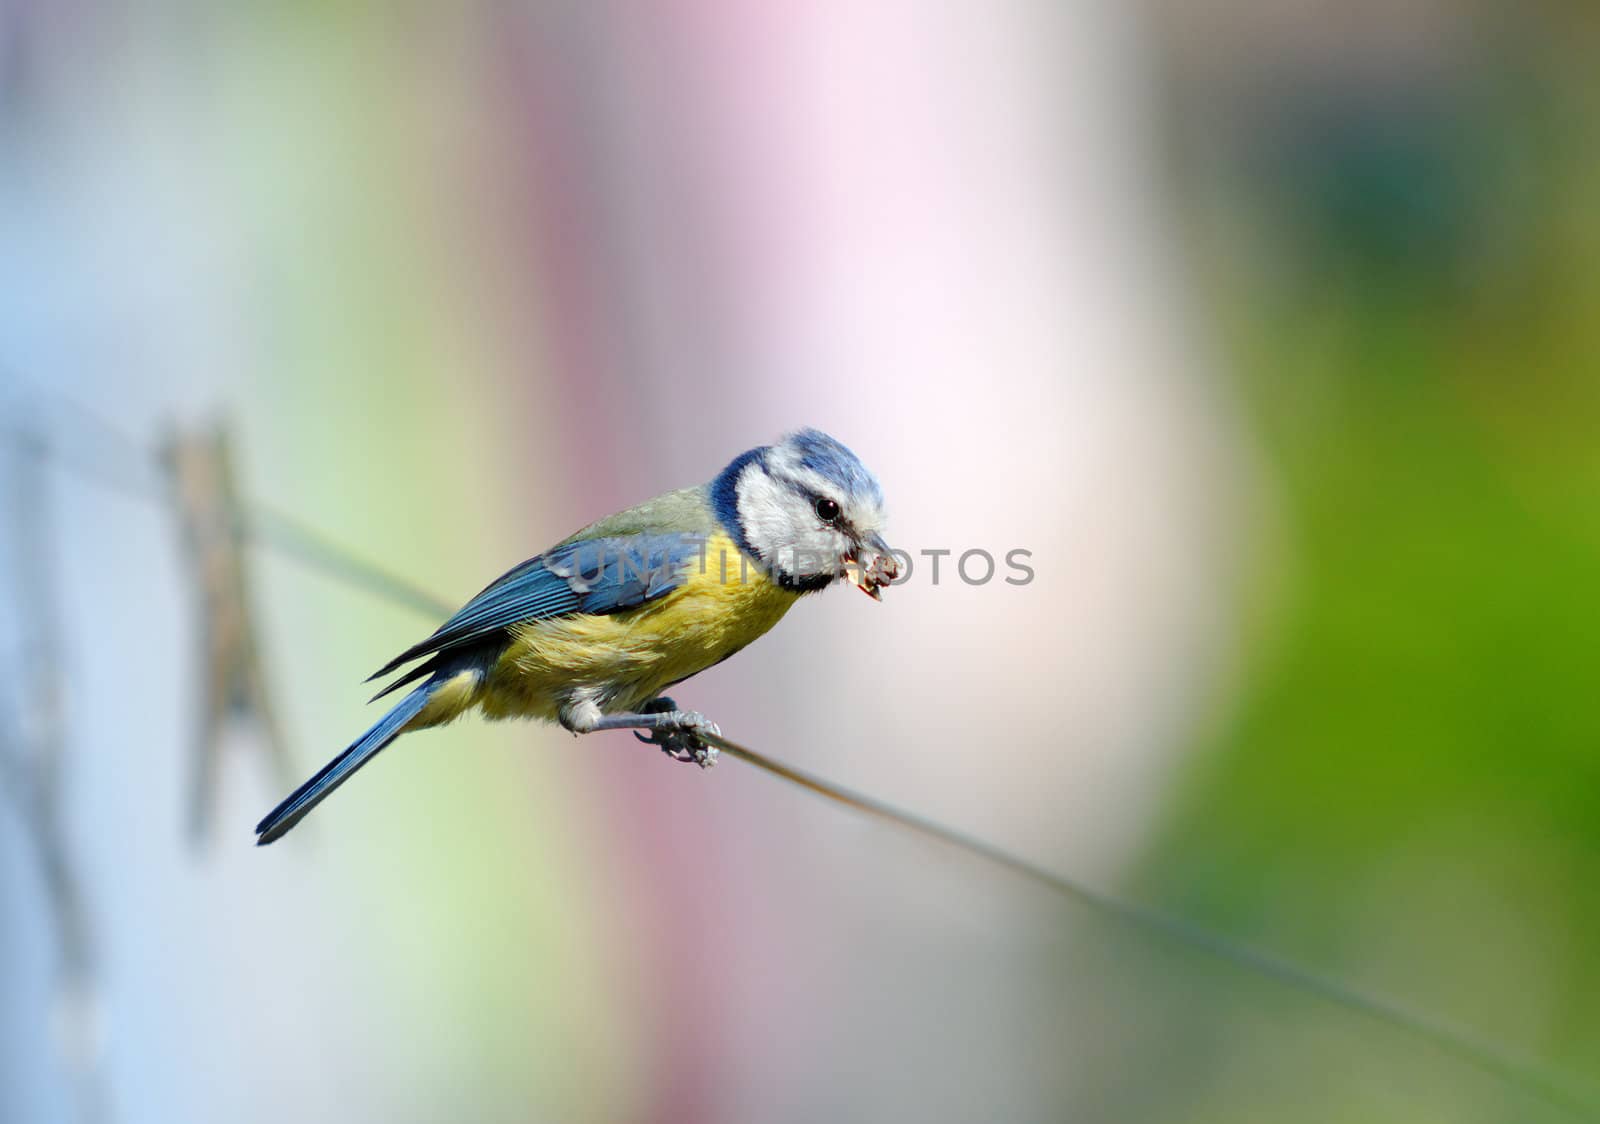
[(1268, 329)]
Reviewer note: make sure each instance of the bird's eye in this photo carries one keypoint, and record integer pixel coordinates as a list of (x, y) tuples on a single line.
[(827, 510)]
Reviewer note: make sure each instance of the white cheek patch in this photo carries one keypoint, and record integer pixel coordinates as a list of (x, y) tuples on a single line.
[(782, 528), (761, 510)]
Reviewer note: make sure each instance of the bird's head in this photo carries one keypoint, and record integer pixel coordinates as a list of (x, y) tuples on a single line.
[(810, 511)]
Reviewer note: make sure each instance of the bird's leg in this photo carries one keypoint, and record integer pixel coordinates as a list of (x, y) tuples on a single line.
[(677, 732)]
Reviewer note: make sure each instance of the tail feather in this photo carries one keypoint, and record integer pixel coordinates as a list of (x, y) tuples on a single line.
[(343, 767), (421, 671)]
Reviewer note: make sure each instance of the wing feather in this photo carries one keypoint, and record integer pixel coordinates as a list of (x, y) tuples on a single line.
[(596, 575)]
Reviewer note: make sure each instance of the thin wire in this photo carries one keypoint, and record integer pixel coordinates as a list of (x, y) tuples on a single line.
[(275, 530), (1493, 1059), (138, 482), (261, 523)]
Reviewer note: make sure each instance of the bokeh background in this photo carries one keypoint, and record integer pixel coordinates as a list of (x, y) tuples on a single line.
[(1268, 328)]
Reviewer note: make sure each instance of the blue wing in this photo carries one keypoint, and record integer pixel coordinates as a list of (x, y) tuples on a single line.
[(602, 575)]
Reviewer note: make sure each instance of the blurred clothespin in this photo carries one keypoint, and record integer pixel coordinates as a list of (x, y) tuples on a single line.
[(233, 686)]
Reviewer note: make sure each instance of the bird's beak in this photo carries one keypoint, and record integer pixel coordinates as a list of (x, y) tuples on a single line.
[(872, 565)]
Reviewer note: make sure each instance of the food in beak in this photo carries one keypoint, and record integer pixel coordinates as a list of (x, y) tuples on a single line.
[(880, 568)]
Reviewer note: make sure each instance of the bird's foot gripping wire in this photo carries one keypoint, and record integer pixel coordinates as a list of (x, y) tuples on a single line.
[(681, 740)]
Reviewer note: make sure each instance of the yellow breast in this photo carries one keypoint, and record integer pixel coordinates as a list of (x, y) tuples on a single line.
[(628, 658)]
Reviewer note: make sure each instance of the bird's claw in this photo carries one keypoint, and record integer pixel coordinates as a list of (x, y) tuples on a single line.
[(684, 741)]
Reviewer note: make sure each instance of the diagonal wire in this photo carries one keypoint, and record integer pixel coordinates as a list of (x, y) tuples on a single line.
[(1554, 1089), (140, 477), (276, 530)]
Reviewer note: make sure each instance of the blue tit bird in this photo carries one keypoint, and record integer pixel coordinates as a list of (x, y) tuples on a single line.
[(591, 632)]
